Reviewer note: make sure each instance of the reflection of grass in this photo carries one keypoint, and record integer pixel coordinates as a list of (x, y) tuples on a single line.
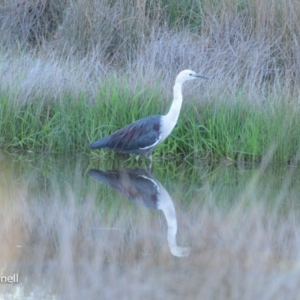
[(13, 196), (79, 238)]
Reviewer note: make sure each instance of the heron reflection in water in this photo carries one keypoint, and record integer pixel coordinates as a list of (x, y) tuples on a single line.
[(142, 188)]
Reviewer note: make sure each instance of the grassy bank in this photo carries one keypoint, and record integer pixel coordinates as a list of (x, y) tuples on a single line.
[(214, 130), (72, 75)]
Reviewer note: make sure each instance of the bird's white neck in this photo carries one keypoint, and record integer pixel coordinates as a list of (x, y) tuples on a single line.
[(170, 119), (175, 108)]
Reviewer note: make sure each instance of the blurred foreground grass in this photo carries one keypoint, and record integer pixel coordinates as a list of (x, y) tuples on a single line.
[(69, 237)]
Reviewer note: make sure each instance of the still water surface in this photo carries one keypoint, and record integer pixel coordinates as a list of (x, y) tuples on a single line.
[(76, 227)]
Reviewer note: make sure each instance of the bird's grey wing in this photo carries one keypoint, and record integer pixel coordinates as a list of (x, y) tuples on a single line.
[(138, 135)]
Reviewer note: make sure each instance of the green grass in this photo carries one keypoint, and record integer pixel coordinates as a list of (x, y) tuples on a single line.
[(235, 131)]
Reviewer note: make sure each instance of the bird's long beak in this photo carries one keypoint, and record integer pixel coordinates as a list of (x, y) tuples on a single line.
[(201, 76)]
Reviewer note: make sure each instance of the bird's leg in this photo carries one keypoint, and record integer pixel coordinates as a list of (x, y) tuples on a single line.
[(150, 158)]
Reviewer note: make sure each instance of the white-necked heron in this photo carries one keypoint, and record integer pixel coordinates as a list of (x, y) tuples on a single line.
[(142, 136)]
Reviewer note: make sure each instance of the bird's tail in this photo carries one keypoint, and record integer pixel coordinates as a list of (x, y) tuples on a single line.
[(99, 144)]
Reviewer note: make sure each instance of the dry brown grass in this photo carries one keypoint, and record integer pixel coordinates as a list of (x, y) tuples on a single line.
[(30, 22), (59, 46)]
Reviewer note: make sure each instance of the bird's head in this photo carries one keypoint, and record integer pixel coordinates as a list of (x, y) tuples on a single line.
[(186, 75)]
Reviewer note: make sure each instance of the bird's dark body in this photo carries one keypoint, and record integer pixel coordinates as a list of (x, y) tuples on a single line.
[(134, 137)]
